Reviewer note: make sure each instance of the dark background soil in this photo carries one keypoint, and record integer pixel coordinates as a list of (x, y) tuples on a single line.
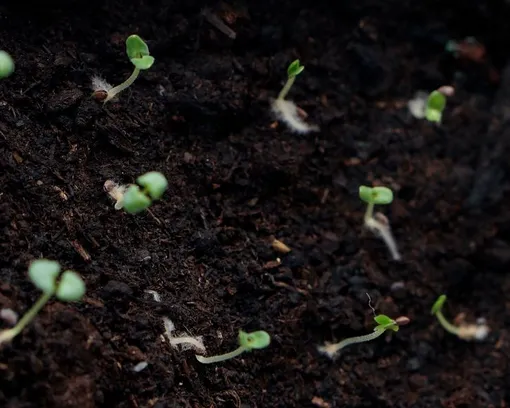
[(201, 117)]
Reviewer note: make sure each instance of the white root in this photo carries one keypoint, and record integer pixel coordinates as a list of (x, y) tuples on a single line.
[(287, 112)]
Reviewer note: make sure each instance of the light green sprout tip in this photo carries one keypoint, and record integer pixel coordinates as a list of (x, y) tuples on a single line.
[(436, 102), (247, 342), (378, 222), (44, 275), (376, 195), (137, 199), (139, 55), (294, 69), (465, 331), (384, 323), (154, 183), (6, 64), (138, 52)]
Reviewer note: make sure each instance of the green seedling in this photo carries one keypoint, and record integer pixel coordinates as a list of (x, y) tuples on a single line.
[(44, 274), (378, 223), (293, 70), (138, 197), (436, 102), (384, 323), (139, 55), (247, 342), (286, 110), (478, 331), (6, 64)]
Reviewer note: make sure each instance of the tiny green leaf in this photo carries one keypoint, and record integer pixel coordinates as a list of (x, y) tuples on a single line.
[(434, 108), (375, 195), (254, 340), (438, 304), (383, 320), (138, 52), (294, 69), (43, 274), (385, 323), (153, 183), (134, 200), (71, 287), (6, 64)]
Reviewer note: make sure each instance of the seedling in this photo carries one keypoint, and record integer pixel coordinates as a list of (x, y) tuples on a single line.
[(138, 197), (6, 64), (384, 323), (138, 53), (378, 223), (247, 342), (132, 197), (430, 106), (464, 331), (286, 110), (44, 275)]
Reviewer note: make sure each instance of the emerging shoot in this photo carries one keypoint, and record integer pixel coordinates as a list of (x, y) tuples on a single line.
[(378, 223), (6, 64), (138, 53), (138, 197), (44, 275), (135, 198), (287, 111), (464, 331), (383, 323), (430, 106), (247, 342)]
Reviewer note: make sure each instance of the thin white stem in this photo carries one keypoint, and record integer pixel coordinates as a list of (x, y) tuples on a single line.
[(450, 328), (112, 93), (8, 335), (222, 357), (384, 232), (286, 88), (332, 349)]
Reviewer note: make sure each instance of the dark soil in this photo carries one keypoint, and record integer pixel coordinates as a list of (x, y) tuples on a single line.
[(237, 180)]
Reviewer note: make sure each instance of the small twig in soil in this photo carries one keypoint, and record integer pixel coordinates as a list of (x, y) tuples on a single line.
[(218, 23), (378, 223), (44, 274), (478, 331)]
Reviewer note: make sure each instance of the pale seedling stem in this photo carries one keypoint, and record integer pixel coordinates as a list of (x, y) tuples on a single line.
[(247, 342), (383, 323), (112, 93), (222, 357), (450, 328), (286, 88), (9, 334)]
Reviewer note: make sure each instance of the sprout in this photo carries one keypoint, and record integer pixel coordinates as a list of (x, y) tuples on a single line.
[(430, 106), (378, 223), (43, 274), (6, 64), (383, 323), (138, 53), (464, 331), (286, 110), (136, 199), (247, 342)]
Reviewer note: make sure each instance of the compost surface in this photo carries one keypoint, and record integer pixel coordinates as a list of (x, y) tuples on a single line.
[(237, 180)]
